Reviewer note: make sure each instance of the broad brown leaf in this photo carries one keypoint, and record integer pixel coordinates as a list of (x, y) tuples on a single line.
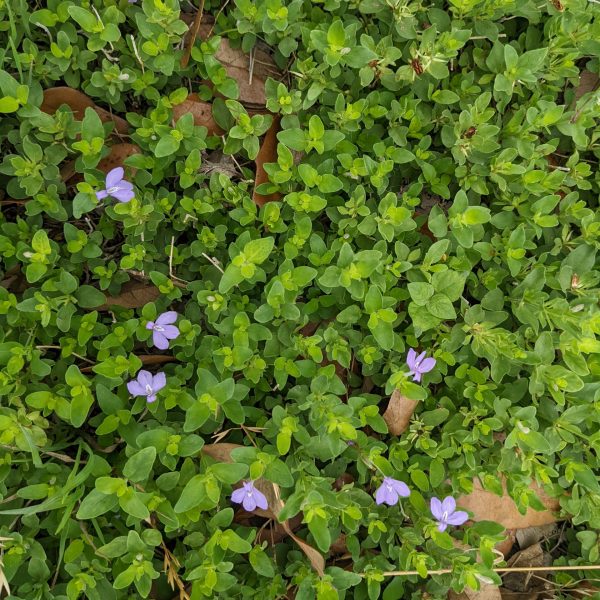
[(588, 82), (222, 452), (78, 101), (487, 591), (116, 157), (399, 412), (487, 506), (250, 72), (156, 359), (134, 294), (201, 111), (266, 154)]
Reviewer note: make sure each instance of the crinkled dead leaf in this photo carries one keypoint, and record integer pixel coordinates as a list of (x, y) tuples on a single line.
[(78, 101), (534, 556), (588, 82), (117, 156), (249, 70), (487, 591), (487, 506), (399, 412), (201, 111), (266, 154), (134, 294), (222, 453)]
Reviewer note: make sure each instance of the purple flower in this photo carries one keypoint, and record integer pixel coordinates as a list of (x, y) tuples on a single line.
[(116, 186), (419, 364), (446, 514), (249, 497), (147, 385), (390, 491), (163, 329)]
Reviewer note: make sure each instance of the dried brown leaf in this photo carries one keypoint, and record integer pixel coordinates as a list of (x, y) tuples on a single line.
[(266, 154), (156, 359), (201, 111), (531, 535), (314, 556), (78, 101), (507, 594), (222, 453), (588, 82), (399, 412), (134, 294), (534, 556), (487, 591), (487, 506), (249, 70), (116, 157)]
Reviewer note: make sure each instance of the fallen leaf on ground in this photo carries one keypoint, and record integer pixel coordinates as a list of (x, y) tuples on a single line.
[(266, 154), (134, 294), (529, 536), (507, 544), (534, 556), (116, 157), (588, 82), (314, 556), (190, 39), (399, 412), (156, 359), (222, 453), (487, 506), (78, 101), (201, 111), (487, 591)]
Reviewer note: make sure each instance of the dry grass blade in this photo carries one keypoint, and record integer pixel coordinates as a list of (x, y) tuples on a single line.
[(4, 586), (399, 412)]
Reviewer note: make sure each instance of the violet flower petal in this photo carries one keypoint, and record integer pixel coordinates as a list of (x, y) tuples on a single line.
[(159, 381), (135, 388), (160, 341), (167, 318), (457, 518), (114, 177), (436, 508)]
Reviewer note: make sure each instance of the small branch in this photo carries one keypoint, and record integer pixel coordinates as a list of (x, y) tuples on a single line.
[(83, 358), (185, 59), (213, 262), (171, 274), (144, 277), (501, 570)]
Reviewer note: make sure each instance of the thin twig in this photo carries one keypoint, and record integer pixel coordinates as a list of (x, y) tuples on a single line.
[(144, 277), (213, 262), (185, 59), (171, 274), (217, 18), (83, 358), (501, 570)]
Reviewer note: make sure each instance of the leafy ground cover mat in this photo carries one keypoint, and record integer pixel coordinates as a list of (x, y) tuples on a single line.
[(299, 299)]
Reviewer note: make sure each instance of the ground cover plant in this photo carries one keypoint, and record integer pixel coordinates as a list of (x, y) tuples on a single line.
[(299, 298)]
